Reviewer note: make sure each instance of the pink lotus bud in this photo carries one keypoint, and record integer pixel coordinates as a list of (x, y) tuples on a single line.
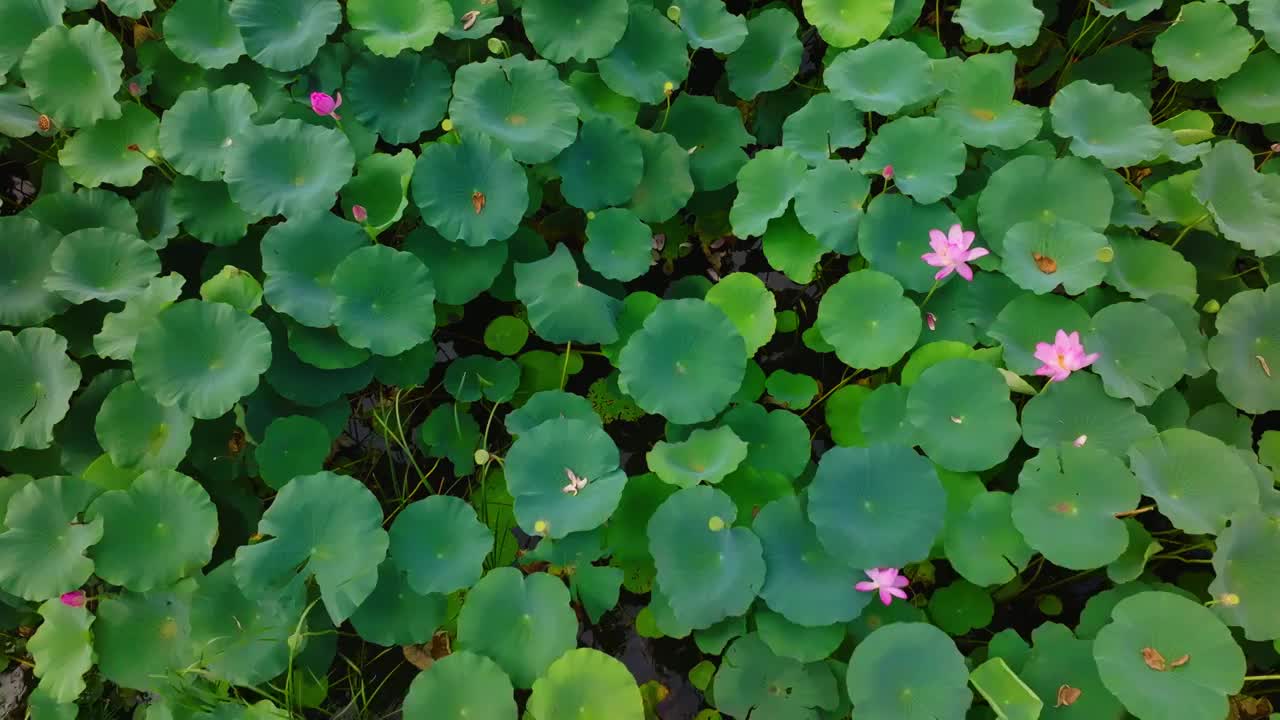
[(135, 89), (73, 599), (931, 320), (323, 104), (359, 213), (1080, 441), (887, 172)]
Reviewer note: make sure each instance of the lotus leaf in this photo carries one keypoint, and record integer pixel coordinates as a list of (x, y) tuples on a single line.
[(997, 22), (713, 133), (40, 380), (1196, 480), (895, 233), (620, 245), (823, 126), (1204, 44), (62, 648), (963, 416), (244, 640), (868, 341), (709, 24), (202, 32), (1059, 659), (498, 621), (383, 300), (285, 35), (769, 57), (1244, 348), (883, 77), (979, 106), (649, 57), (1107, 124), (138, 432), (399, 97), (587, 684), (667, 183), (1243, 202), (561, 30), (299, 257), (395, 26), (1079, 407), (1036, 188), (113, 150), (292, 446), (908, 671), (602, 167), (538, 465), (804, 582), (767, 183), (25, 259), (983, 544), (72, 74), (706, 456), (472, 193), (519, 103), (1142, 352), (561, 308), (197, 133), (395, 613), (380, 187), (828, 207), (142, 638), (1073, 252), (100, 264), (925, 156)]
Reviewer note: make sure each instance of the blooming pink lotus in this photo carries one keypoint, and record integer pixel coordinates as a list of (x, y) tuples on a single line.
[(887, 581), (951, 252), (326, 105), (1063, 357), (74, 599)]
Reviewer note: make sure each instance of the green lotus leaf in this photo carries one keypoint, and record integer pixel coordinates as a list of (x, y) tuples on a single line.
[(775, 440), (797, 642), (40, 380), (792, 390), (650, 57), (963, 416), (895, 233), (863, 340), (1132, 563), (983, 544), (685, 383), (1264, 15), (383, 300), (844, 25), (299, 257), (549, 405), (1187, 319), (288, 167), (1059, 659), (1032, 319), (196, 134), (561, 308), (202, 32), (292, 446), (1244, 563), (960, 608), (709, 24), (1244, 203), (130, 8), (1036, 188), (842, 411), (823, 126), (156, 532), (398, 97), (749, 306), (325, 526), (72, 74), (1073, 248), (999, 22), (460, 686), (17, 118), (620, 246), (285, 35), (882, 77), (1078, 407), (1245, 349), (243, 640), (235, 287), (143, 639), (24, 21), (1172, 628), (766, 185), (202, 357), (1066, 505), (459, 272), (380, 186), (791, 250), (42, 548), (908, 671), (1145, 269), (138, 432), (393, 27), (407, 370), (120, 330), (489, 17), (101, 264), (208, 213), (104, 152), (926, 157), (475, 376), (667, 183), (1107, 124), (829, 204), (1142, 352), (587, 684), (439, 544), (521, 623), (25, 258), (451, 181), (979, 106), (522, 104), (1204, 43), (452, 434), (561, 30), (753, 681), (708, 569), (62, 648), (602, 167), (395, 614), (769, 57), (706, 456), (537, 469), (1246, 95), (1132, 9), (1196, 480), (804, 582), (69, 211)]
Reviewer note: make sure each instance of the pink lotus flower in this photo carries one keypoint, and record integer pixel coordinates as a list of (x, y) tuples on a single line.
[(887, 172), (73, 599), (1063, 357), (575, 483), (951, 251), (887, 581), (323, 104), (359, 213), (931, 320), (1080, 441)]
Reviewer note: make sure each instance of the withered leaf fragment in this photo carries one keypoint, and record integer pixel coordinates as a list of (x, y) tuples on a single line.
[(1067, 696)]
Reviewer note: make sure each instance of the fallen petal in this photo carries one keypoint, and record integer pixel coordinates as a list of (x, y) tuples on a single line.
[(1067, 696), (1154, 659)]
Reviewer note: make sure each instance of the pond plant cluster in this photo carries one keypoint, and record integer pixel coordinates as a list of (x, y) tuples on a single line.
[(885, 359)]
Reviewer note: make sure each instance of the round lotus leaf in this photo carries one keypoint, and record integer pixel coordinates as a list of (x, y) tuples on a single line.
[(159, 530), (714, 134), (1164, 656), (1246, 348), (791, 250), (1029, 320), (25, 258), (393, 26), (459, 272), (844, 25), (381, 186), (506, 334), (1059, 659), (753, 681), (62, 648), (202, 357), (1244, 203), (143, 639), (242, 639), (461, 686), (322, 348), (776, 441), (1078, 407), (1245, 563), (285, 35), (895, 233), (40, 380), (842, 411), (1066, 505), (650, 56), (961, 607), (550, 405), (804, 582), (208, 213), (797, 642), (1036, 188), (1145, 268), (1040, 256), (620, 246), (288, 167), (561, 308), (666, 184), (963, 416), (291, 446), (138, 432), (982, 542), (1142, 352), (325, 526), (1196, 480), (792, 390), (24, 21), (908, 671), (400, 97), (823, 126), (202, 32), (299, 257), (749, 305), (101, 152), (561, 30), (706, 456), (536, 469), (197, 133), (69, 211), (769, 57), (120, 330), (1000, 22), (42, 548), (829, 204), (1205, 43), (451, 433), (766, 185), (1104, 123), (1264, 15), (395, 614), (520, 103), (868, 340), (882, 77), (383, 300), (1246, 95), (684, 382), (979, 106), (471, 193), (521, 623), (602, 167), (708, 569), (926, 157), (587, 684), (72, 74), (440, 545), (101, 264)]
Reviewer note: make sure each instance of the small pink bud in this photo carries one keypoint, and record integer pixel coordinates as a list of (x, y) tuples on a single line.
[(931, 320), (1080, 441), (135, 89), (359, 213), (73, 599), (324, 104), (1275, 147), (887, 172)]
